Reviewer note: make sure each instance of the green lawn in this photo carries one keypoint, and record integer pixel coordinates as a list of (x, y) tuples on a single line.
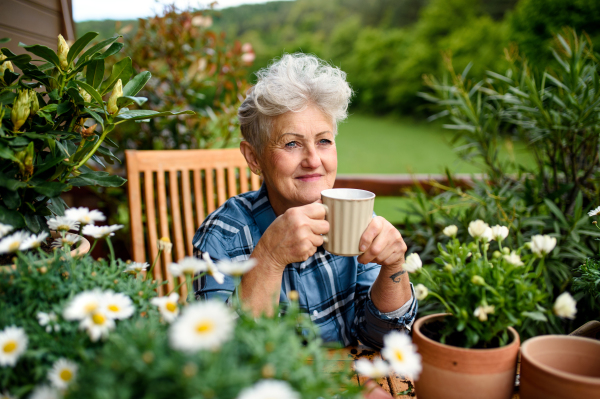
[(368, 144)]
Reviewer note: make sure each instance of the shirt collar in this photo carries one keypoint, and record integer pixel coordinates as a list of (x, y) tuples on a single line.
[(262, 211)]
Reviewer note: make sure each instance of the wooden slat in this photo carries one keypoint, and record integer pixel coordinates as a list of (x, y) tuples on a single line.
[(231, 182), (135, 207), (210, 191), (255, 181), (164, 227), (221, 198), (179, 246), (151, 224), (243, 179), (188, 216), (198, 194)]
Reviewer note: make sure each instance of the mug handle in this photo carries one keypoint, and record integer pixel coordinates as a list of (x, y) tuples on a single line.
[(325, 236)]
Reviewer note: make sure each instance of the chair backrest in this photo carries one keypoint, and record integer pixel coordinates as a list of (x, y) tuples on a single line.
[(170, 194)]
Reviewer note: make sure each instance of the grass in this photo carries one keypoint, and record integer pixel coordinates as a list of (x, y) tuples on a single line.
[(368, 144)]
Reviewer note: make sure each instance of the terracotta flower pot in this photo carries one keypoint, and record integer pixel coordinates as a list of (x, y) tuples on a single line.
[(560, 367), (451, 372)]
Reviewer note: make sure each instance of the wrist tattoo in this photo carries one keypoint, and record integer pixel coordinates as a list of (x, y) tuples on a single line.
[(396, 277)]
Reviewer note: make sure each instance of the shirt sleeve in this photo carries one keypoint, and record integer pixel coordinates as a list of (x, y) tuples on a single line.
[(370, 324)]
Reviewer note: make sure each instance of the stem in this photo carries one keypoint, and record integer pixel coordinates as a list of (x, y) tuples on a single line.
[(442, 300), (149, 272), (112, 251), (93, 246), (190, 294), (95, 148)]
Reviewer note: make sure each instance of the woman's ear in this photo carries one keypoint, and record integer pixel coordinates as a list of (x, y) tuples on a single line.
[(250, 154)]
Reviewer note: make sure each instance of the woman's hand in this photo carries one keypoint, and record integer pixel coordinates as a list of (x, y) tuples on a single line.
[(382, 243), (294, 236)]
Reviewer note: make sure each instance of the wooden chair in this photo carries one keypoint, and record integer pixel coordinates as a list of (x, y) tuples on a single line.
[(170, 194)]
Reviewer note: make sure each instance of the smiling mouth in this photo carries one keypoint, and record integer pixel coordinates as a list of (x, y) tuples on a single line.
[(309, 178)]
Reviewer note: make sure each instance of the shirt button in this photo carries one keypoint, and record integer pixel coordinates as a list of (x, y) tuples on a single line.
[(315, 313)]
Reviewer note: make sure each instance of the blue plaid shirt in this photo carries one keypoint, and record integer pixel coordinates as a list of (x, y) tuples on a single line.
[(334, 290)]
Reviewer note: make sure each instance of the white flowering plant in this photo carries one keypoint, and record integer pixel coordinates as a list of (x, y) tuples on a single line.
[(488, 287)]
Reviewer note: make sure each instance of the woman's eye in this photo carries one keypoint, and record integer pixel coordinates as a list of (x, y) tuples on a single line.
[(292, 144), (325, 141)]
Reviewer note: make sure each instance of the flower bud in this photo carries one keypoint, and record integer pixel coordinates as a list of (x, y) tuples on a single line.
[(5, 65), (112, 101), (85, 95), (448, 267), (20, 110), (497, 254), (34, 104), (88, 132), (506, 250), (63, 51), (477, 280)]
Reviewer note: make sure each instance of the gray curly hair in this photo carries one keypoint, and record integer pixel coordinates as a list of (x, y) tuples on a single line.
[(292, 83)]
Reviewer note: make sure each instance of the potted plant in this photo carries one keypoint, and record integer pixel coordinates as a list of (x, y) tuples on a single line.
[(473, 347), (56, 116)]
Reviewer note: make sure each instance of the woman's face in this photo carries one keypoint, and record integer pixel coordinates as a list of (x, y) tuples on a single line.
[(300, 160)]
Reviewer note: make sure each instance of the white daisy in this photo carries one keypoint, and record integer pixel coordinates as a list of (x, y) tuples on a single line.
[(565, 306), (98, 232), (45, 392), (98, 325), (167, 306), (13, 343), (483, 311), (13, 242), (594, 212), (165, 245), (450, 231), (5, 229), (63, 373), (83, 305), (84, 215), (421, 292), (34, 241), (514, 259), (6, 395), (378, 369), (236, 269), (413, 263), (117, 305), (136, 267), (499, 233), (48, 320), (480, 229), (62, 223), (188, 265), (212, 269), (402, 354), (202, 325), (542, 245), (269, 389), (68, 240)]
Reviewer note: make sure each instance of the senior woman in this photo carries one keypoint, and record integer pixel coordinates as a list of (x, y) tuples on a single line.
[(289, 124)]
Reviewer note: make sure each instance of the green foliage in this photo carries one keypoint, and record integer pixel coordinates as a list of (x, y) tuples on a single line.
[(587, 282), (45, 145), (486, 293), (534, 23)]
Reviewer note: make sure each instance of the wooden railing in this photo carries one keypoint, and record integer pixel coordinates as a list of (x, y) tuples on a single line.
[(393, 185)]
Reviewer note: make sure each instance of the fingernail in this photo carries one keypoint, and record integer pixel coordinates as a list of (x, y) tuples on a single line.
[(363, 247)]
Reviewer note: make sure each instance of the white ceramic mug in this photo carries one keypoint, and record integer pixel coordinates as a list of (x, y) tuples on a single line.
[(348, 211)]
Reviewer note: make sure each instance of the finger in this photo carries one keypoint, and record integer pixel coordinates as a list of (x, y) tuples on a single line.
[(372, 231), (394, 259), (319, 226), (314, 211), (380, 249), (316, 240)]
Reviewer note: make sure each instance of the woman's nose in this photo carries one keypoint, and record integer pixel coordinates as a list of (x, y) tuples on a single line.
[(311, 158)]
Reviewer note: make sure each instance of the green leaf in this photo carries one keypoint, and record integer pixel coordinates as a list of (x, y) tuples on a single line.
[(49, 108), (57, 206), (47, 165), (54, 95), (112, 50), (557, 212), (7, 97), (103, 179), (79, 45), (11, 199), (95, 73), (10, 77), (34, 223), (13, 218), (136, 84), (145, 114), (128, 100), (95, 48), (43, 52), (121, 70), (5, 39), (63, 108), (96, 117), (50, 189), (538, 316), (92, 92)]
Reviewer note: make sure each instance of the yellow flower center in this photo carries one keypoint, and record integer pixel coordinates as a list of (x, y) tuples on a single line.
[(14, 246), (66, 375), (113, 308), (171, 307), (9, 347), (90, 307), (63, 227), (398, 354), (98, 319), (205, 327)]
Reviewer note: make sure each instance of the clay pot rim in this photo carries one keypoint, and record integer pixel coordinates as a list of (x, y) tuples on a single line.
[(551, 370), (424, 319)]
